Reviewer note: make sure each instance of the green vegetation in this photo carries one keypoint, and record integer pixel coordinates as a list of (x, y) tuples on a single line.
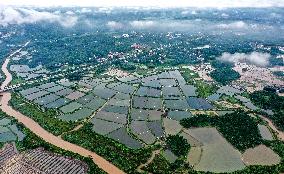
[(158, 165), (238, 128), (270, 100), (121, 156), (204, 90), (16, 80), (178, 145), (188, 75), (45, 119), (223, 72), (224, 75)]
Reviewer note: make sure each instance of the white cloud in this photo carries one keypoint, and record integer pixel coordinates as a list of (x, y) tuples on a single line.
[(85, 10), (234, 25), (142, 24), (114, 25), (23, 16), (255, 58), (149, 3)]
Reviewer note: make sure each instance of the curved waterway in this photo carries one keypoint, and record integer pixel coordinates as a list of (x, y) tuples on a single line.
[(45, 135)]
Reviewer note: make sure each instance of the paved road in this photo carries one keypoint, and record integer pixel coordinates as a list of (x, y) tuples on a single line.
[(45, 135)]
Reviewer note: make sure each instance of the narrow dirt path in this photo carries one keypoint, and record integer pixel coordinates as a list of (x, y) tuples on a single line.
[(154, 153), (280, 134), (45, 135)]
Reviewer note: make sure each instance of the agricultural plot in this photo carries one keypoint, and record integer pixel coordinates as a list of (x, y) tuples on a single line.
[(172, 127), (104, 127), (123, 137), (9, 132), (199, 103), (152, 83), (129, 79), (29, 91), (141, 130), (122, 96), (111, 116), (188, 90), (171, 92), (156, 128), (41, 161), (154, 115), (139, 102), (190, 139), (20, 135), (169, 155), (119, 102), (148, 103), (103, 92), (260, 155), (168, 82), (36, 95), (6, 135), (228, 90), (115, 109), (5, 122), (180, 104), (165, 75), (214, 97), (153, 103), (55, 88), (95, 103), (85, 99), (148, 92), (78, 115), (194, 155), (124, 88), (75, 95), (179, 115), (71, 107), (242, 99), (64, 92), (177, 75), (6, 153), (57, 103), (46, 99), (47, 85), (251, 106), (217, 154), (141, 114), (265, 133), (90, 82)]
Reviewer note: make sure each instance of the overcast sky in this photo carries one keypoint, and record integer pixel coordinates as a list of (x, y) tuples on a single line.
[(147, 3)]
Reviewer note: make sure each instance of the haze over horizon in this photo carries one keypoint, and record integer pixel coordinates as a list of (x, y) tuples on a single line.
[(148, 3)]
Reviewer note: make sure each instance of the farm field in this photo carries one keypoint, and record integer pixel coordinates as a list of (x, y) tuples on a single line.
[(217, 154), (38, 161), (260, 155)]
